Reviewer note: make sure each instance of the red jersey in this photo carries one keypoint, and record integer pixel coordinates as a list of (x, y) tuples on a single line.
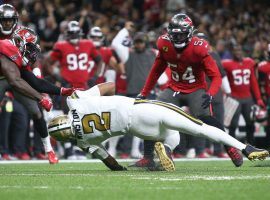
[(242, 78), (12, 52), (264, 67), (106, 54), (75, 61), (188, 67)]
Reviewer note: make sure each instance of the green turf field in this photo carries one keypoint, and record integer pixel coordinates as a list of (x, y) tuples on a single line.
[(193, 180)]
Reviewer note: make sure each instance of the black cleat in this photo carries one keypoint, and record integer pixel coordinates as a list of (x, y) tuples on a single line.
[(164, 155), (235, 155), (253, 153)]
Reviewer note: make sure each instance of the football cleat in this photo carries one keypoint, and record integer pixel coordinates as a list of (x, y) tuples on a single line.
[(144, 163), (164, 155), (52, 157), (253, 153), (235, 156), (40, 156)]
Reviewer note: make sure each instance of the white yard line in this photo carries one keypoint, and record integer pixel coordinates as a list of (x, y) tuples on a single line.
[(98, 161)]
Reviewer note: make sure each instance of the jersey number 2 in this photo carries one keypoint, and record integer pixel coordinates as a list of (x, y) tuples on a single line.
[(101, 123)]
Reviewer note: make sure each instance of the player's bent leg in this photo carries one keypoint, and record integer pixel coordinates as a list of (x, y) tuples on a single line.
[(39, 124)]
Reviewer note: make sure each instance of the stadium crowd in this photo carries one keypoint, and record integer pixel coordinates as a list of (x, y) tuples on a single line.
[(223, 23)]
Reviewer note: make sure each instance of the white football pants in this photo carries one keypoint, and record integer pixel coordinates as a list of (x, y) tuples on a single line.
[(162, 122)]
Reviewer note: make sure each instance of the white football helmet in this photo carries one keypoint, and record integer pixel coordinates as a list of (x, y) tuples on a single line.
[(73, 32), (60, 129)]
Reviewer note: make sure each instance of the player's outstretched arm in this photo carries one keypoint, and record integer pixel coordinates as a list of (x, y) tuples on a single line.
[(13, 76), (98, 151), (106, 89)]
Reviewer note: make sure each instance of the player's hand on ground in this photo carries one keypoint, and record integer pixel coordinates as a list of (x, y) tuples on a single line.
[(261, 103), (140, 96), (111, 163), (207, 99), (46, 103)]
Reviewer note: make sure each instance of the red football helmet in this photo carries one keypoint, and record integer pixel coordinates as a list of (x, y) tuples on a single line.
[(28, 43), (258, 114), (180, 30)]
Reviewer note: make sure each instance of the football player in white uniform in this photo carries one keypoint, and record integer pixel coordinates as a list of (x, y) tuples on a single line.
[(94, 118)]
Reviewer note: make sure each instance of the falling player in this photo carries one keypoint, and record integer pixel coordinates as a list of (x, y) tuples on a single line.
[(94, 118)]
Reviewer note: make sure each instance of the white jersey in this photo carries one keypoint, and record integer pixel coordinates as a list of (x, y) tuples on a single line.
[(96, 118)]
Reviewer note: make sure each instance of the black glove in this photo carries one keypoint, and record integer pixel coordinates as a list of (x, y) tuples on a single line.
[(207, 99), (111, 163), (140, 96)]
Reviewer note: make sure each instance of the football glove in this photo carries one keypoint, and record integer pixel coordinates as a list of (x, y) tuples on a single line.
[(46, 103), (68, 91), (261, 103), (207, 99)]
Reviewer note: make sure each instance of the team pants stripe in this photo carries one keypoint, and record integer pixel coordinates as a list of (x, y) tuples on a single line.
[(171, 107)]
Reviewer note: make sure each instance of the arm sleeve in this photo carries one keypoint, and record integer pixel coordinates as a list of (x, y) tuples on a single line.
[(213, 73), (226, 85), (55, 53), (158, 68), (41, 85), (254, 85)]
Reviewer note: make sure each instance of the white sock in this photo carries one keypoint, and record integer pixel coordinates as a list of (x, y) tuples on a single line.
[(47, 144), (135, 144), (112, 145), (220, 136)]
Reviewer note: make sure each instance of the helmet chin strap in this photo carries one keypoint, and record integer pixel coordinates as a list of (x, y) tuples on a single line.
[(6, 32), (74, 41), (97, 43), (180, 46)]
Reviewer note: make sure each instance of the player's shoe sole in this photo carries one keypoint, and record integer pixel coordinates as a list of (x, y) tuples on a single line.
[(165, 161), (258, 155), (253, 153)]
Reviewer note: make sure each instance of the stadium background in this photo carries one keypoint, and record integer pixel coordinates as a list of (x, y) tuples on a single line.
[(242, 21)]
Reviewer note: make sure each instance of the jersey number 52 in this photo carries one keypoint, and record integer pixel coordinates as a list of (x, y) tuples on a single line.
[(101, 123)]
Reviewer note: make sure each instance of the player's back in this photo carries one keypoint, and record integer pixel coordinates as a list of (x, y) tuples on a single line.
[(98, 118)]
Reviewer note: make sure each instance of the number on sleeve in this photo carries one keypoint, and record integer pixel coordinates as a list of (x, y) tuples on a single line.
[(102, 123)]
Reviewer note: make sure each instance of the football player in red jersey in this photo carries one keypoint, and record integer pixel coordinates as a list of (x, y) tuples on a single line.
[(244, 85), (188, 58), (26, 41), (109, 56), (75, 56), (264, 70)]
